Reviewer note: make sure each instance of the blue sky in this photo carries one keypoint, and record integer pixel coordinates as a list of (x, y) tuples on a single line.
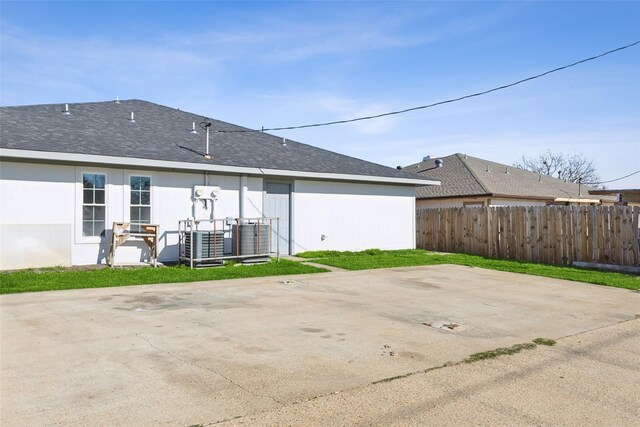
[(277, 64)]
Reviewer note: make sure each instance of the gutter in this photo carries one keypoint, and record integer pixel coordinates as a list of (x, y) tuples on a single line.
[(348, 177), (74, 158), (511, 196), (575, 200)]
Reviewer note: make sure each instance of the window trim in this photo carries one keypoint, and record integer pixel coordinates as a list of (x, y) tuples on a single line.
[(79, 205), (127, 194)]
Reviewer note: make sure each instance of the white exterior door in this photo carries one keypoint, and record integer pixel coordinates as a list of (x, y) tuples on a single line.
[(276, 205)]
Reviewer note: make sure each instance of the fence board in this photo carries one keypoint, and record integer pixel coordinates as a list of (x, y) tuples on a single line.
[(551, 220), (627, 249), (517, 234), (578, 230), (616, 237), (588, 233), (532, 234), (635, 241), (553, 234), (562, 241), (443, 232), (544, 230), (569, 234), (476, 231), (503, 215), (606, 236), (494, 231), (595, 221)]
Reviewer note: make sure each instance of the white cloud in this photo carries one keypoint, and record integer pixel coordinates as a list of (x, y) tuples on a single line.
[(39, 69)]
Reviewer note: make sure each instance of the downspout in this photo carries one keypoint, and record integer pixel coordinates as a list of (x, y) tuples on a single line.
[(205, 183), (242, 195), (413, 229)]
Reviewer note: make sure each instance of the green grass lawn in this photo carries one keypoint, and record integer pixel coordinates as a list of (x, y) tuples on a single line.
[(65, 278), (68, 278), (375, 258)]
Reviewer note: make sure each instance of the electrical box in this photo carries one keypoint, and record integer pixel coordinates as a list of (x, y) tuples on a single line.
[(206, 192)]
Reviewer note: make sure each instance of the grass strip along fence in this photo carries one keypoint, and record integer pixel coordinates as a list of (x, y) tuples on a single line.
[(374, 258)]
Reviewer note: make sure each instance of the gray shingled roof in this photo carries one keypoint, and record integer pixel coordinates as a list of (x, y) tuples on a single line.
[(463, 175), (163, 133)]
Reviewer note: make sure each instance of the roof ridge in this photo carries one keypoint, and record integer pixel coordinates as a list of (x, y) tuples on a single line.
[(480, 183)]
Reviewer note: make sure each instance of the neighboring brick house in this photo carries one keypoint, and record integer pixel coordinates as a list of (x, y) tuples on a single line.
[(470, 181)]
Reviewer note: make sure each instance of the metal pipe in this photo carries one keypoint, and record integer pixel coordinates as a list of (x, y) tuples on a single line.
[(580, 187), (237, 236), (179, 243), (191, 246), (270, 234), (206, 151)]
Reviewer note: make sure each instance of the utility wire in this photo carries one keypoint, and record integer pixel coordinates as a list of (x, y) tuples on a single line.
[(448, 101), (612, 180)]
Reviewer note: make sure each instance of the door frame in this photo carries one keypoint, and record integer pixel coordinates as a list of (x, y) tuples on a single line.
[(291, 184)]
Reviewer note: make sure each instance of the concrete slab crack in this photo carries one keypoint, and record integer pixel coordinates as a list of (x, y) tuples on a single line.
[(328, 267), (206, 368)]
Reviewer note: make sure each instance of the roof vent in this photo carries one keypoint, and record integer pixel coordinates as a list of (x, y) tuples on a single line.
[(487, 168), (426, 158), (399, 168), (117, 101), (66, 111), (193, 127), (540, 177), (506, 169), (438, 164), (206, 125), (132, 119), (284, 142)]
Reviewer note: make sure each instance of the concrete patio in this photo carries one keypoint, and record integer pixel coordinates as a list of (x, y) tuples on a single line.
[(198, 353)]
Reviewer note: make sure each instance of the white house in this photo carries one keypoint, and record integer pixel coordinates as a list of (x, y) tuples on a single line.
[(68, 172)]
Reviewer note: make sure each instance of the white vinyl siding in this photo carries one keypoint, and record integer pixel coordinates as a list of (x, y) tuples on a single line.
[(351, 216)]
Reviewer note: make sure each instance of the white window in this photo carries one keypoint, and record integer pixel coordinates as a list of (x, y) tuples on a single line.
[(93, 204), (140, 201)]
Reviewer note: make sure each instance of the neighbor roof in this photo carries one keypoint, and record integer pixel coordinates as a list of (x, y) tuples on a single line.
[(632, 191), (164, 133), (464, 176)]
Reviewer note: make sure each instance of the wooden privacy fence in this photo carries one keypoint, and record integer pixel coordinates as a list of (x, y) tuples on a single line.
[(547, 234)]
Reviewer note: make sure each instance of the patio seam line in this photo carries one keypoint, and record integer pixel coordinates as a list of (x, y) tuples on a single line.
[(175, 356)]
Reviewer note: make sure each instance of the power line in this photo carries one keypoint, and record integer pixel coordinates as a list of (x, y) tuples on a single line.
[(448, 101), (612, 180)]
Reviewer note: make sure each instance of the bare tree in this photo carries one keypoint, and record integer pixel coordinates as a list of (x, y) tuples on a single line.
[(575, 168)]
